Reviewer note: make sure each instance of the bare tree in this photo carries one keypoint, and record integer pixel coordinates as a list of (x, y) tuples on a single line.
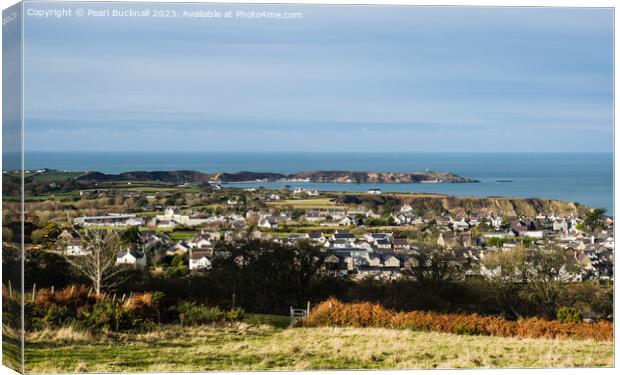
[(535, 277), (434, 268), (97, 257)]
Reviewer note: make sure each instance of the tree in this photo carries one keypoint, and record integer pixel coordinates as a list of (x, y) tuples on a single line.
[(433, 269), (594, 219), (504, 269), (527, 279), (296, 213), (98, 261), (550, 269), (131, 236), (266, 276)]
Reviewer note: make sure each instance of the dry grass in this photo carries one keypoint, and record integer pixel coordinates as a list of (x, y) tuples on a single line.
[(241, 346), (313, 203), (63, 335)]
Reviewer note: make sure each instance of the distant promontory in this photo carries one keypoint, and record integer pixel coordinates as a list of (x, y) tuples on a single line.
[(313, 176)]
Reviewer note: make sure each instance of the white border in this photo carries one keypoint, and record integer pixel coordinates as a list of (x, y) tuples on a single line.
[(506, 3)]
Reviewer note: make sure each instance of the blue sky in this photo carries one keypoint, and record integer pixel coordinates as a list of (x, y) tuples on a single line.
[(374, 79)]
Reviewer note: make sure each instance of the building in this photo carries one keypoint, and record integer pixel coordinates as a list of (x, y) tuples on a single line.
[(114, 220), (135, 258), (199, 259)]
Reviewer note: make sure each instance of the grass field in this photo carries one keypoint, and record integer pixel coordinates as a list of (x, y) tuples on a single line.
[(53, 175), (318, 203), (268, 346)]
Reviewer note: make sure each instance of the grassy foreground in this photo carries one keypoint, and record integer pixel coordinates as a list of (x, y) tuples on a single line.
[(264, 347)]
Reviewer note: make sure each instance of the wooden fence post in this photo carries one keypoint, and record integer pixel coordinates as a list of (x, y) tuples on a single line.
[(308, 309), (10, 290), (34, 290)]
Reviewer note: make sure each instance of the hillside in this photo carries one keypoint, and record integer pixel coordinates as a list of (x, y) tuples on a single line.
[(246, 347), (467, 205)]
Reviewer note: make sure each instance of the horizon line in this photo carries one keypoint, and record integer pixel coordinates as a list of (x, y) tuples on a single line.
[(313, 152)]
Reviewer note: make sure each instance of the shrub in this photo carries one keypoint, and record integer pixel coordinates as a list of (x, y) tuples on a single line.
[(192, 314), (235, 314), (335, 313), (568, 315), (56, 316), (464, 329), (109, 315)]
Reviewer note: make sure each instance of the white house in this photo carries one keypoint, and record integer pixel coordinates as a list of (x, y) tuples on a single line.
[(268, 222), (374, 191), (131, 257), (202, 240), (199, 260), (74, 248)]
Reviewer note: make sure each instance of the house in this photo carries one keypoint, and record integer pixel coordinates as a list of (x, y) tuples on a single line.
[(372, 237), (383, 243), (374, 191), (313, 216), (390, 261), (341, 244), (272, 197), (202, 240), (74, 248), (341, 235), (199, 259), (178, 248), (152, 238), (316, 237), (401, 244), (135, 258), (346, 221), (268, 222)]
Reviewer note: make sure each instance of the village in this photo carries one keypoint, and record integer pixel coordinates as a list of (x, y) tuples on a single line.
[(358, 242)]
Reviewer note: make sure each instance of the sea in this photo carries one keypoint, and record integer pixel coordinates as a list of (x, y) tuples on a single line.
[(586, 178)]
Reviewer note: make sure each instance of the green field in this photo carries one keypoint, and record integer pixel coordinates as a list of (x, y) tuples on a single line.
[(53, 175), (265, 345)]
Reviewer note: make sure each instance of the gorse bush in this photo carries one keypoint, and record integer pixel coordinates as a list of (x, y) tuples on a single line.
[(569, 315), (192, 314), (109, 315), (234, 314), (56, 316), (79, 306), (335, 313)]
